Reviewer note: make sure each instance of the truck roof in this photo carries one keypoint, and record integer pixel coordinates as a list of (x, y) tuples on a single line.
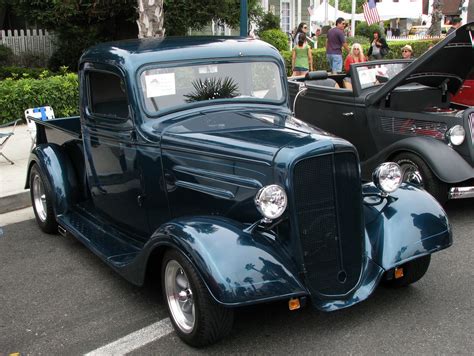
[(136, 52)]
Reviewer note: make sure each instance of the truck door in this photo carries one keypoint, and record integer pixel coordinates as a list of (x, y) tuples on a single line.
[(110, 149)]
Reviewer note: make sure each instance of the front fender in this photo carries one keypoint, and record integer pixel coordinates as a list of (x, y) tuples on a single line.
[(237, 267), (59, 171), (413, 224), (447, 164)]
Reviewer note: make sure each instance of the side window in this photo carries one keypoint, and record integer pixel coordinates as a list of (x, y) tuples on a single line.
[(107, 95)]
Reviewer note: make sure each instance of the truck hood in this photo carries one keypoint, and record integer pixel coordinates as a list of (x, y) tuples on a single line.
[(446, 64), (250, 135)]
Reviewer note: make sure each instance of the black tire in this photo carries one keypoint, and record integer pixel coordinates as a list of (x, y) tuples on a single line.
[(412, 271), (430, 182), (212, 321), (45, 216)]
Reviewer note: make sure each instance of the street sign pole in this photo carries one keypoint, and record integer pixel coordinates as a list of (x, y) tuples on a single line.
[(243, 18)]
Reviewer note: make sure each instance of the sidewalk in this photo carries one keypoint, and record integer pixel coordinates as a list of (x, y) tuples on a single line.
[(13, 196)]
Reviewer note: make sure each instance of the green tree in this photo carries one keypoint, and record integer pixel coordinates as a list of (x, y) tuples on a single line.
[(78, 23), (346, 5), (180, 15), (268, 21)]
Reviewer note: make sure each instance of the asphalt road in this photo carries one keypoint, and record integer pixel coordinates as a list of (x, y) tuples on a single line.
[(57, 298)]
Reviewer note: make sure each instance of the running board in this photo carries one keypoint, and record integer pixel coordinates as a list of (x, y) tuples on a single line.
[(110, 245)]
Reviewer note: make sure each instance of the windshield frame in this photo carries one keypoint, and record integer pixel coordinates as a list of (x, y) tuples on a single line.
[(206, 62)]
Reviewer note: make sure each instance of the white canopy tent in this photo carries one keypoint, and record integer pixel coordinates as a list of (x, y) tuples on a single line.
[(319, 14), (387, 10)]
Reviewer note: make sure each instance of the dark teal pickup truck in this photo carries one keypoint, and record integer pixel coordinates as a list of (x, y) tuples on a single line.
[(186, 160)]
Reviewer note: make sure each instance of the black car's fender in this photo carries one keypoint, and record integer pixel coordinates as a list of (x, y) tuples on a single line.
[(58, 168), (237, 266), (443, 160)]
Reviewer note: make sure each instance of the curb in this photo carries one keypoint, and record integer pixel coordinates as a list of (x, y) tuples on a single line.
[(15, 201)]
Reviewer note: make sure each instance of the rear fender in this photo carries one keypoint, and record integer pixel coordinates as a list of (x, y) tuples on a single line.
[(237, 267), (444, 161), (59, 171), (413, 224)]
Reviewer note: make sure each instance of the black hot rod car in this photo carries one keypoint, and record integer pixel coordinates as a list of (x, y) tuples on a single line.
[(401, 110)]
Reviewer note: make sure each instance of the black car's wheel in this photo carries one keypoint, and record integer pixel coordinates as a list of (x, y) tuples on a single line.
[(412, 272), (196, 317), (417, 172), (42, 201)]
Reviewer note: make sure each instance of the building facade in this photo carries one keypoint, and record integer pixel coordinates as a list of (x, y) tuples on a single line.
[(291, 12)]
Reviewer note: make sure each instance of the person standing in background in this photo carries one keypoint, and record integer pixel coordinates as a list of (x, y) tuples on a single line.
[(378, 47), (455, 24), (335, 41), (355, 56), (302, 29), (407, 52), (302, 58)]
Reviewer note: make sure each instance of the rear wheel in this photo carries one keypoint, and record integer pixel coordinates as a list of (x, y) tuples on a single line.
[(412, 272), (417, 172), (196, 317), (42, 201)]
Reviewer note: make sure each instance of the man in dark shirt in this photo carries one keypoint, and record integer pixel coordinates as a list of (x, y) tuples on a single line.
[(336, 40)]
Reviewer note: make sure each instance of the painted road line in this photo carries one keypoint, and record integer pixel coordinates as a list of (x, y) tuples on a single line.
[(16, 216), (135, 340)]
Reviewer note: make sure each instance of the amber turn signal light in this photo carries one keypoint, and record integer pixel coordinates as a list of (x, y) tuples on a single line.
[(398, 272), (294, 304)]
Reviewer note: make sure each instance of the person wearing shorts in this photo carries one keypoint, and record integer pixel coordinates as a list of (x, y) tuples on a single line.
[(335, 41)]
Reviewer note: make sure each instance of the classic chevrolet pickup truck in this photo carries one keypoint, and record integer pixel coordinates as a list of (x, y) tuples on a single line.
[(186, 160)]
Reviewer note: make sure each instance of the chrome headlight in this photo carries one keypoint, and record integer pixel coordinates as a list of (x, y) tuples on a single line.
[(387, 177), (271, 201), (456, 135)]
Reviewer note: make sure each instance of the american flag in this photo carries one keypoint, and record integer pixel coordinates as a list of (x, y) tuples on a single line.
[(371, 14)]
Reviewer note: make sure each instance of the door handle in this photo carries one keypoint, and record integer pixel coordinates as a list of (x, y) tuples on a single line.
[(350, 113)]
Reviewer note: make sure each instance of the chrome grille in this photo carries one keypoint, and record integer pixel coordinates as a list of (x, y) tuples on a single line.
[(328, 212), (412, 127)]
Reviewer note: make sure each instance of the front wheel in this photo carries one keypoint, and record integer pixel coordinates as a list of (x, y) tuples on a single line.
[(417, 172), (412, 271), (196, 317), (42, 201)]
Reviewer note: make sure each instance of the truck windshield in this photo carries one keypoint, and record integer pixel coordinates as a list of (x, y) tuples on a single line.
[(165, 88)]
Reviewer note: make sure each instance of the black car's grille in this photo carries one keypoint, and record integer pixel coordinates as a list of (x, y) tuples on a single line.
[(327, 191), (411, 127)]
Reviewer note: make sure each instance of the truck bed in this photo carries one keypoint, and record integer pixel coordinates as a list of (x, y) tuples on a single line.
[(59, 130)]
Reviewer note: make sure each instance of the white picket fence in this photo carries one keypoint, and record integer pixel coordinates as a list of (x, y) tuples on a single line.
[(28, 41), (413, 38)]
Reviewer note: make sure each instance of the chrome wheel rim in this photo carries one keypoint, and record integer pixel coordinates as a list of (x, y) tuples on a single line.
[(39, 198), (411, 174), (179, 297)]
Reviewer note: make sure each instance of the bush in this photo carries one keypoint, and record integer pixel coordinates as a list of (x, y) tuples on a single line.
[(61, 92), (268, 21), (23, 72), (419, 47), (276, 38), (358, 39), (5, 54), (362, 29), (320, 62)]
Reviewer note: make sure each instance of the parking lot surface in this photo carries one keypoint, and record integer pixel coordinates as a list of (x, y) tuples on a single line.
[(56, 297)]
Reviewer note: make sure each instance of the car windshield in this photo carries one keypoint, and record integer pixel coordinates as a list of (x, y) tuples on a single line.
[(420, 31), (378, 74), (166, 88)]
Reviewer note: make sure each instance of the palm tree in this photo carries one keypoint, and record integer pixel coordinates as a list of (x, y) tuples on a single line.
[(150, 18), (436, 16)]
